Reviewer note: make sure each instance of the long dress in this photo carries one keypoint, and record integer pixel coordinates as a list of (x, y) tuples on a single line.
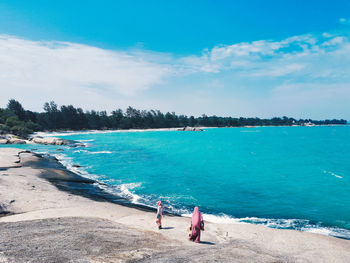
[(197, 224), (159, 215)]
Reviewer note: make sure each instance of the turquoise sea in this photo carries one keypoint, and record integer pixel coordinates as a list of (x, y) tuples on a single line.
[(282, 177)]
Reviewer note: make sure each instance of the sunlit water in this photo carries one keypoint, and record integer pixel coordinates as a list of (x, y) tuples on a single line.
[(284, 177)]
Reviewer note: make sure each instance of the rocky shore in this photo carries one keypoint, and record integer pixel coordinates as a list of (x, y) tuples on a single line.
[(48, 214), (190, 129), (12, 139)]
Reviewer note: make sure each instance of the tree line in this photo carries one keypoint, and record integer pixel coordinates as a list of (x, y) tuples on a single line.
[(15, 119)]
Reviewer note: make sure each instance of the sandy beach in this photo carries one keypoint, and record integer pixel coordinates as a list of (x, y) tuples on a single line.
[(48, 214)]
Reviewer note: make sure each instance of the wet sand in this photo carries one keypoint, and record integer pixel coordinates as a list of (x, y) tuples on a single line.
[(49, 214)]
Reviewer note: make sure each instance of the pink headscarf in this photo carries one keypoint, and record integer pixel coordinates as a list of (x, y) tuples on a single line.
[(159, 203), (196, 218)]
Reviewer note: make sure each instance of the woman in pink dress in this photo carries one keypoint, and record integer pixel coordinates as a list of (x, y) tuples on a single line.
[(197, 224)]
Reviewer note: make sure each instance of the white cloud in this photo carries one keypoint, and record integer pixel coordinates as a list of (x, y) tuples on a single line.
[(306, 76), (277, 71), (292, 76), (298, 56), (344, 21), (57, 69), (334, 41)]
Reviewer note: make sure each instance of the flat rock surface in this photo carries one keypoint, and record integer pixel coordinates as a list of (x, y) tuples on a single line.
[(9, 157), (74, 240), (97, 240)]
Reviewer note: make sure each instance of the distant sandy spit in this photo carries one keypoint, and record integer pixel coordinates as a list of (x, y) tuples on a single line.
[(70, 132), (49, 214)]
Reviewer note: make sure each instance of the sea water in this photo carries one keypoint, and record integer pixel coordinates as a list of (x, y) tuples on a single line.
[(282, 177)]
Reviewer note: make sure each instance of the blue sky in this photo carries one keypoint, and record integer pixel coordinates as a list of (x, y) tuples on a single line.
[(237, 58)]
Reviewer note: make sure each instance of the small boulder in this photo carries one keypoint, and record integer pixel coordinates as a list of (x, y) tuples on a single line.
[(16, 141), (49, 141), (3, 141), (190, 129), (3, 209)]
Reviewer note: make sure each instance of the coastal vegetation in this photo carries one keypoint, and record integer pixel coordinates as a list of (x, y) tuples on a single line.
[(16, 120)]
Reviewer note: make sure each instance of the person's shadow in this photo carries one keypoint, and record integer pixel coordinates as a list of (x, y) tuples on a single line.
[(207, 243), (167, 227)]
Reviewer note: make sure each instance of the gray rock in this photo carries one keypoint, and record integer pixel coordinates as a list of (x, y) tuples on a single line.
[(9, 158), (50, 141), (190, 129), (3, 141), (97, 240), (16, 141), (4, 209)]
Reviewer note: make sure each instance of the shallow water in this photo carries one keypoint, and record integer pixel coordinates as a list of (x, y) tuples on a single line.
[(285, 177)]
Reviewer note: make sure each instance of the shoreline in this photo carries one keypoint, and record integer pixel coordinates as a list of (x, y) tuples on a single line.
[(47, 137), (72, 132), (82, 185), (36, 191), (298, 224), (313, 227), (97, 190), (106, 191)]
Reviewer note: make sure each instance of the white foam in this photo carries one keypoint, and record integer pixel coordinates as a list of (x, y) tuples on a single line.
[(328, 231), (220, 219), (273, 223), (125, 189), (80, 151), (338, 176), (97, 152), (100, 152), (335, 175), (296, 224), (321, 231), (68, 163)]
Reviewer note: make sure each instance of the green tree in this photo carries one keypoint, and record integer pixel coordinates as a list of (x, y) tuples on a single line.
[(13, 121), (17, 109)]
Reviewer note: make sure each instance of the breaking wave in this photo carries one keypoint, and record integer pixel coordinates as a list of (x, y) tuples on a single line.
[(292, 224), (334, 174), (100, 152)]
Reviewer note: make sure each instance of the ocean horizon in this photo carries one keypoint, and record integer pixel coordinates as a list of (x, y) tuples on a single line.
[(280, 177)]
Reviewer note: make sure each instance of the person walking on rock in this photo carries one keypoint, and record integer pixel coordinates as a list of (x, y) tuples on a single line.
[(159, 215), (197, 224)]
